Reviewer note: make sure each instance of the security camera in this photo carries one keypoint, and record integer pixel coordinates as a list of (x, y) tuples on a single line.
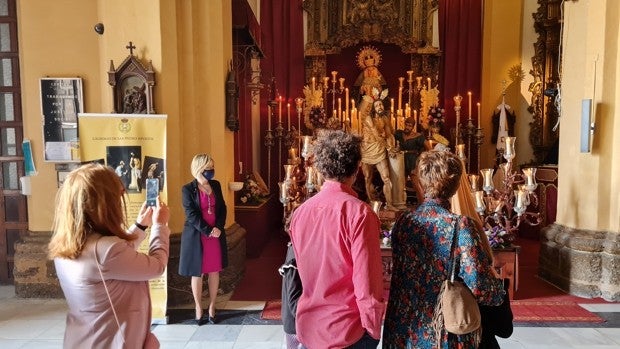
[(99, 28)]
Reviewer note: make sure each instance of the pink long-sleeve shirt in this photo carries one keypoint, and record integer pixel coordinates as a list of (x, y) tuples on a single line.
[(336, 241)]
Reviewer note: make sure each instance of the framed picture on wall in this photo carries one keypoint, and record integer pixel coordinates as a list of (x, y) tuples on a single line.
[(61, 101)]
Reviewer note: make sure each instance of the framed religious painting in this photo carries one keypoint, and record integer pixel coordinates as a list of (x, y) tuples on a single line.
[(132, 85), (61, 101)]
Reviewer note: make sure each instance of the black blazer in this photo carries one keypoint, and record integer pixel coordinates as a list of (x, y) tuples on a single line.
[(190, 263), (496, 321)]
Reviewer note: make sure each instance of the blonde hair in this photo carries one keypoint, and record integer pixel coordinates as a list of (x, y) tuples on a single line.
[(199, 163), (89, 201), (439, 173)]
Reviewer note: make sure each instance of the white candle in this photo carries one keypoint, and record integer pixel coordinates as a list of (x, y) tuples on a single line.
[(479, 125), (400, 98), (280, 110), (288, 112), (469, 104), (269, 118), (429, 83), (392, 105), (313, 83), (339, 108), (346, 102)]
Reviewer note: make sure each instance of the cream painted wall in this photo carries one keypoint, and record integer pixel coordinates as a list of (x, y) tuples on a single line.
[(56, 39), (501, 52), (589, 183), (189, 43)]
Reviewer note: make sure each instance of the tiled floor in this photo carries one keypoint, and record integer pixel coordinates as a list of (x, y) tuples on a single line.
[(39, 323)]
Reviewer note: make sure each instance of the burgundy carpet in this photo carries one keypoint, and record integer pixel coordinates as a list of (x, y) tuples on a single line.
[(551, 311), (272, 310)]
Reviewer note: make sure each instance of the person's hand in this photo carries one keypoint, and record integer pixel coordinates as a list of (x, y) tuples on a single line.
[(215, 232), (161, 214), (145, 216)]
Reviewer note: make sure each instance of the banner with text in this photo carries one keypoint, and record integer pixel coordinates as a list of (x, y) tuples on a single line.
[(135, 146)]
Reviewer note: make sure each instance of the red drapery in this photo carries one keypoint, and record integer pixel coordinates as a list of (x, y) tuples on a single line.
[(460, 35), (282, 43)]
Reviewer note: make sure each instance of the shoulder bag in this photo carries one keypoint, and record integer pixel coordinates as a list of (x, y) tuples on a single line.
[(456, 310)]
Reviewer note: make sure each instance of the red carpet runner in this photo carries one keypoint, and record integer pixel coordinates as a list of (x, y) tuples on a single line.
[(523, 311), (549, 311)]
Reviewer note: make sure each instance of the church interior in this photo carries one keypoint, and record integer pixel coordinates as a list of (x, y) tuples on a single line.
[(523, 91)]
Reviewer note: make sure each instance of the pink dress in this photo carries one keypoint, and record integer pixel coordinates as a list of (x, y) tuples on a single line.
[(211, 250)]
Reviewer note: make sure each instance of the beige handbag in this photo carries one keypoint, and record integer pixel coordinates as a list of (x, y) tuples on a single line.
[(456, 310)]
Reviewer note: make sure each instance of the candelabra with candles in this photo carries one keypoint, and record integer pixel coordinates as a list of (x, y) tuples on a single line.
[(504, 208), (337, 88)]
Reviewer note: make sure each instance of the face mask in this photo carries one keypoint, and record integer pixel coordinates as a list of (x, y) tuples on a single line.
[(208, 174)]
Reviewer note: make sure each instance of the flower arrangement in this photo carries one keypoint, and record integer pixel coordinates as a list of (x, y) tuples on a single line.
[(252, 192), (386, 233), (318, 117), (498, 237), (436, 117)]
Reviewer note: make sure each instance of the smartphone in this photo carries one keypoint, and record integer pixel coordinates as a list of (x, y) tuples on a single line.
[(152, 191)]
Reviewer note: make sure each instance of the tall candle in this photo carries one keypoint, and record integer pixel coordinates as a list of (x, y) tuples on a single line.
[(339, 107), (269, 118), (400, 98), (352, 103), (346, 102), (469, 104), (313, 83), (280, 109), (288, 115), (479, 125), (429, 83), (392, 105)]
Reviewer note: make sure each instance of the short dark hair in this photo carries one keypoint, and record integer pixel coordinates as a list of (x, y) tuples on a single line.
[(439, 173), (337, 154)]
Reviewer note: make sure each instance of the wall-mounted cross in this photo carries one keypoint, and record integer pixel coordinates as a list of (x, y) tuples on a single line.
[(131, 47)]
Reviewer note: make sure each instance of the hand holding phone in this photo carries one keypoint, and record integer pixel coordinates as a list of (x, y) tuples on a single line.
[(152, 191)]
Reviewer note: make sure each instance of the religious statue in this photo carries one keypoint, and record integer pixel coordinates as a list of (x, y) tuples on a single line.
[(377, 142), (368, 59)]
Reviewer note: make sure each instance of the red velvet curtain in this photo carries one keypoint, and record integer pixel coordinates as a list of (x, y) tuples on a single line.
[(460, 36), (282, 43)]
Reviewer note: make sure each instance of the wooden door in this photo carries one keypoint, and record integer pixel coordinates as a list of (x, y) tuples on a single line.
[(13, 209)]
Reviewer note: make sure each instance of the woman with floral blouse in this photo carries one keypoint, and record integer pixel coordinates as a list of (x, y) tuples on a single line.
[(421, 241)]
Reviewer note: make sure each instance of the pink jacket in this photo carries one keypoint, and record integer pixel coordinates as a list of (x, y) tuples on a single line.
[(90, 320)]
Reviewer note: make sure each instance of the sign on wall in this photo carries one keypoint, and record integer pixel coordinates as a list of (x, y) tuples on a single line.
[(61, 101)]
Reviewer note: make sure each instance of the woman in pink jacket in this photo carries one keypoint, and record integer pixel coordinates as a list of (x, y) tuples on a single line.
[(103, 276)]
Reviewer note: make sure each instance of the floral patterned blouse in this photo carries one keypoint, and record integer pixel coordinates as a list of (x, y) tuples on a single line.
[(420, 249)]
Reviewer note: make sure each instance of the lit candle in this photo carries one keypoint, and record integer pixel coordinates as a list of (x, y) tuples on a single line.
[(469, 104), (352, 103), (280, 109), (479, 125), (339, 107), (288, 115), (400, 98), (429, 83), (313, 83)]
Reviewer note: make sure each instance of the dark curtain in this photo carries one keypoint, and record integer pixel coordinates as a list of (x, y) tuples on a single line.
[(282, 42), (460, 36)]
